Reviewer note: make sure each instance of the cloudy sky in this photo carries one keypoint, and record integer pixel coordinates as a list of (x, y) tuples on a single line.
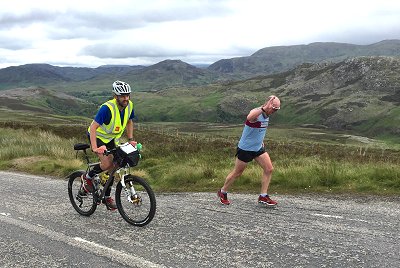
[(133, 32)]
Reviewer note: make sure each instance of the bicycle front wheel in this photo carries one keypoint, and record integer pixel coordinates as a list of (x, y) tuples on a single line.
[(136, 202), (83, 202)]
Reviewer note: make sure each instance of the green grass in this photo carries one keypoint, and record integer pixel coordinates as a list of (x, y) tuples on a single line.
[(316, 175), (185, 162), (36, 151)]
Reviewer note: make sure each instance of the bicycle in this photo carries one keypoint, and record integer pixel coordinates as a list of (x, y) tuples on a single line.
[(134, 197)]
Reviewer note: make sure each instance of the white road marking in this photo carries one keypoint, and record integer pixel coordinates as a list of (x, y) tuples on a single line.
[(93, 244), (337, 217), (358, 220), (112, 254), (328, 216)]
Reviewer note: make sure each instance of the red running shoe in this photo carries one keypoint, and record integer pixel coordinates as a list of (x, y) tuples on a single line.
[(223, 198), (87, 183), (110, 203), (265, 200)]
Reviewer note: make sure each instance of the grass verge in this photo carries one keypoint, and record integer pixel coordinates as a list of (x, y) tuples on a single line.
[(187, 163)]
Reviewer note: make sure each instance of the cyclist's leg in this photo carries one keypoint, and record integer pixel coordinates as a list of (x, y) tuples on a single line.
[(107, 163)]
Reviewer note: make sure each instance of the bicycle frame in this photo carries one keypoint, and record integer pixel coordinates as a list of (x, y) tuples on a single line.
[(111, 178), (114, 171), (134, 198)]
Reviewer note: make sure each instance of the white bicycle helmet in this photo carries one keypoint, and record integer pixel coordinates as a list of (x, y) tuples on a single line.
[(120, 87)]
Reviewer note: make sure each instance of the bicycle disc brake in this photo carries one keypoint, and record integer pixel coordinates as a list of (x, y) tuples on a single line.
[(135, 199), (132, 196)]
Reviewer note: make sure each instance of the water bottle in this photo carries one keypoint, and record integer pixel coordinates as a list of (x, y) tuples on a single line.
[(139, 146), (103, 178)]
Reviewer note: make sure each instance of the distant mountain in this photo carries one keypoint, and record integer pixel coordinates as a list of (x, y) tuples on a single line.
[(165, 74), (176, 73), (45, 74), (282, 58), (30, 74), (170, 73)]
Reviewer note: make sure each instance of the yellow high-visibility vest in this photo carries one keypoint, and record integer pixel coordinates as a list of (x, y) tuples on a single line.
[(115, 128)]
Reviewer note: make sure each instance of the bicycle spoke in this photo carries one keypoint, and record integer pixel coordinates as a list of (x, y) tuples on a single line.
[(136, 202), (82, 202)]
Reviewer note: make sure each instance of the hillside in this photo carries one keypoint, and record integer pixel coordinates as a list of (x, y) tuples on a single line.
[(282, 58), (359, 94), (41, 100)]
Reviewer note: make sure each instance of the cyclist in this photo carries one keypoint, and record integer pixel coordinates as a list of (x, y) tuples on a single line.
[(113, 117), (251, 146)]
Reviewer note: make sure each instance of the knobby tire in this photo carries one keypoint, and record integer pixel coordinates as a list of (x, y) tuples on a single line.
[(84, 205), (137, 215)]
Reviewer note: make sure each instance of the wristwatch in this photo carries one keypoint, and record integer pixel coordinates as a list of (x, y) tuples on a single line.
[(262, 109)]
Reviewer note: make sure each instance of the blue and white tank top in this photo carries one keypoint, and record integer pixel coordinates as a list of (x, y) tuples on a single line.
[(253, 134)]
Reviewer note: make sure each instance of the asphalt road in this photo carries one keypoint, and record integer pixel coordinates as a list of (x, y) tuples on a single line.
[(39, 228)]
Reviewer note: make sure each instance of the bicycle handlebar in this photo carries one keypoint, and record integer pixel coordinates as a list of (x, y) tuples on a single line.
[(111, 151), (108, 152)]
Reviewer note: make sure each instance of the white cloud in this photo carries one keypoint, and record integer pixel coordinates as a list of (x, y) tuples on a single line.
[(92, 33)]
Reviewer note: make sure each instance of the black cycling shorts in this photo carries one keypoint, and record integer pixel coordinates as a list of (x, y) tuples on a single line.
[(248, 156), (109, 146)]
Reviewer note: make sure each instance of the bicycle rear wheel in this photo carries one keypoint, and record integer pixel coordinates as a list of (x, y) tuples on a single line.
[(137, 202), (84, 203)]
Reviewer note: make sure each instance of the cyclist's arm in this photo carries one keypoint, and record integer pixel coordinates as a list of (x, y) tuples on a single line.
[(129, 129), (93, 128), (103, 116)]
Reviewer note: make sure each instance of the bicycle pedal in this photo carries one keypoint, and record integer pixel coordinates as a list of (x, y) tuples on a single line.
[(82, 193)]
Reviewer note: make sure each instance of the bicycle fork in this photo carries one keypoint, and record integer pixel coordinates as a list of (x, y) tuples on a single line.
[(130, 192)]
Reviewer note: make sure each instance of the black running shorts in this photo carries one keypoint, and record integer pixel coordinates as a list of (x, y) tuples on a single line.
[(248, 156)]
